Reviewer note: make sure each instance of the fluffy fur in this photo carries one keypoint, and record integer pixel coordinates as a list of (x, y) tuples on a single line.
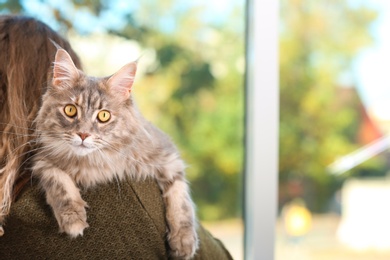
[(83, 149)]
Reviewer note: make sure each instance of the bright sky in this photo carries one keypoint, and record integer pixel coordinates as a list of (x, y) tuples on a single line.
[(372, 69), (211, 11)]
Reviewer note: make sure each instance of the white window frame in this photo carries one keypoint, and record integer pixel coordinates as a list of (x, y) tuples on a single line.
[(262, 128)]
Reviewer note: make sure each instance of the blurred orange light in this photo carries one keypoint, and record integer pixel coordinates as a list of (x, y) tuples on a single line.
[(297, 220)]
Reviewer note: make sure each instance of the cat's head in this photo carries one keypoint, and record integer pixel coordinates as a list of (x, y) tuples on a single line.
[(81, 114)]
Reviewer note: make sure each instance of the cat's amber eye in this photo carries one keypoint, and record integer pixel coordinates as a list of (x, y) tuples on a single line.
[(70, 110), (104, 116)]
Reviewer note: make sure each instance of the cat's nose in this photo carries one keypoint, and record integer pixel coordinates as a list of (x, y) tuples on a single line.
[(83, 136)]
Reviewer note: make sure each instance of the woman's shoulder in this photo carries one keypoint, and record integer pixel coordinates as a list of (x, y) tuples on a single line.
[(125, 219)]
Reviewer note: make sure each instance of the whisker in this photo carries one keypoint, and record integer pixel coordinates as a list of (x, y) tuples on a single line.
[(17, 148)]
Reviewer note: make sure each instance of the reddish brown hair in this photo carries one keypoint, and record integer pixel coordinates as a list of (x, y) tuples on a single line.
[(26, 56)]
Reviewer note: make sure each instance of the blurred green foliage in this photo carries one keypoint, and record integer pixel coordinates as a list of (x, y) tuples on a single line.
[(318, 41), (196, 92)]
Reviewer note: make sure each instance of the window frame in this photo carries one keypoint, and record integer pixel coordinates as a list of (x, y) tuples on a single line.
[(261, 128)]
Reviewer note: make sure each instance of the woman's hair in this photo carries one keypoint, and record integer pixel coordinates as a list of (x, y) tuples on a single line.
[(26, 56)]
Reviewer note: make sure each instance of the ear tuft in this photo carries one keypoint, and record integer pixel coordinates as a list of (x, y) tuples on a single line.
[(64, 70), (122, 81)]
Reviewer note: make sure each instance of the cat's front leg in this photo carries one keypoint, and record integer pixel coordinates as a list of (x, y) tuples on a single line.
[(72, 218), (65, 199), (180, 213)]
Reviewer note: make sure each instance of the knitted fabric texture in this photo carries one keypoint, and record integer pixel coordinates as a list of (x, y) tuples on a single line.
[(126, 222)]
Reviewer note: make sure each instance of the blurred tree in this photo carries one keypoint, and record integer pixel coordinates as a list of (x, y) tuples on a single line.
[(318, 41), (196, 83)]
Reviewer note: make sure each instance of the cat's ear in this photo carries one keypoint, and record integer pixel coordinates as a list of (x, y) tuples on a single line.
[(64, 70), (122, 81)]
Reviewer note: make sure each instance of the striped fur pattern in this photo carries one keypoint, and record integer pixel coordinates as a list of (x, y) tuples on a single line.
[(76, 149)]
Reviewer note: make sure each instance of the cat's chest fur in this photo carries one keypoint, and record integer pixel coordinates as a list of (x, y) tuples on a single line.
[(96, 168)]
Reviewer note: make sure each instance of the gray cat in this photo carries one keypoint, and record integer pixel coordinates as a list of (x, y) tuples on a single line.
[(89, 131)]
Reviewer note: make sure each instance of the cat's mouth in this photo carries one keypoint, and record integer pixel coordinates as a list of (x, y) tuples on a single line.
[(82, 149), (82, 144)]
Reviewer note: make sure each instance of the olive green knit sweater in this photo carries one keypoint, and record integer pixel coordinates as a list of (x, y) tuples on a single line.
[(126, 222)]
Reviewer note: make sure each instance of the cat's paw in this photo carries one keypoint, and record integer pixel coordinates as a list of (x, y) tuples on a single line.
[(75, 228), (183, 243), (73, 221)]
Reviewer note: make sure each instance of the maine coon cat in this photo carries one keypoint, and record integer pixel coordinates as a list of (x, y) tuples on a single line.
[(91, 132), (88, 131)]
